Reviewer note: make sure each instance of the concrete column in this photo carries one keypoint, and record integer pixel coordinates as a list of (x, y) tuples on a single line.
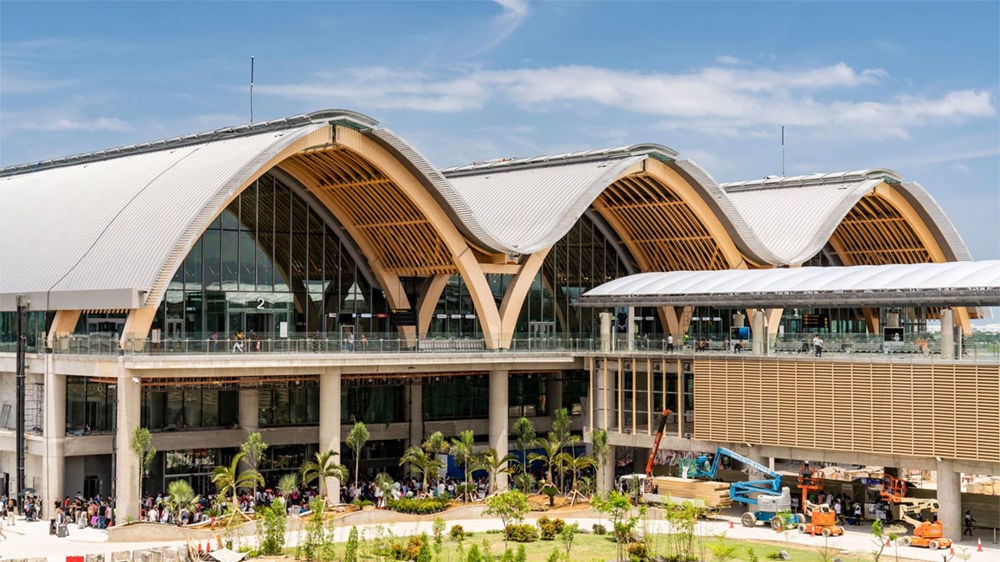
[(606, 479), (55, 431), (128, 489), (415, 388), (329, 423), (949, 495), (947, 333), (249, 410), (553, 394), (757, 332), (630, 330), (605, 331), (499, 419)]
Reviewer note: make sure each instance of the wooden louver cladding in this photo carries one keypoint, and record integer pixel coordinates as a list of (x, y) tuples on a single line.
[(661, 229), (876, 233), (373, 207)]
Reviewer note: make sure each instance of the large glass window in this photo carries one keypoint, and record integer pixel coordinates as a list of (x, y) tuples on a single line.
[(455, 397), (270, 260), (90, 406), (289, 403), (372, 401), (182, 409)]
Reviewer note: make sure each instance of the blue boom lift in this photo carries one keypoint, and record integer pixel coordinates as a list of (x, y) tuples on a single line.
[(772, 501)]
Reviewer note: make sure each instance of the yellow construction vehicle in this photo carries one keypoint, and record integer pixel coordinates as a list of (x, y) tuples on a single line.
[(822, 521), (926, 534)]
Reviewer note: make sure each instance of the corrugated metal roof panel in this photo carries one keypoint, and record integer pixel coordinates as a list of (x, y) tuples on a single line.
[(113, 224)]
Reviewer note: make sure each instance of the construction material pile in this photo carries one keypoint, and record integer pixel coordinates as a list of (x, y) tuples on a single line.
[(714, 495)]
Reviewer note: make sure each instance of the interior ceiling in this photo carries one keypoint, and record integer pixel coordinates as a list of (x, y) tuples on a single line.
[(661, 230), (372, 207), (875, 233)]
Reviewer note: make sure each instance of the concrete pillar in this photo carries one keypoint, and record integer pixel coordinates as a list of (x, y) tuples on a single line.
[(329, 424), (499, 419), (947, 333), (553, 394), (758, 333), (55, 431), (128, 490), (415, 388), (249, 410), (949, 495), (630, 329), (606, 479), (605, 331)]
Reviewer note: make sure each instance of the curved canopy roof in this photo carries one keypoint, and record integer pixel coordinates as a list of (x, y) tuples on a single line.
[(951, 283), (101, 230)]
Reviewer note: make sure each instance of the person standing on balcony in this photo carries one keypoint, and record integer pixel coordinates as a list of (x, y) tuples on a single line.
[(670, 343), (818, 345)]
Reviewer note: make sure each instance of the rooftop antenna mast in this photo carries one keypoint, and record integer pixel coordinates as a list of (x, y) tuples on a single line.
[(782, 143), (251, 91)]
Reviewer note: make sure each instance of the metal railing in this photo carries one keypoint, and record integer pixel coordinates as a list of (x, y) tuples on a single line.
[(914, 347)]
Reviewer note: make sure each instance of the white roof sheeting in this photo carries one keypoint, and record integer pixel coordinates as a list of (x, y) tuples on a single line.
[(958, 283), (794, 217), (99, 233), (529, 209)]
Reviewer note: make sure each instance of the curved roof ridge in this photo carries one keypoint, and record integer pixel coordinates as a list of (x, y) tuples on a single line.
[(658, 151), (320, 116), (884, 174), (742, 233), (937, 221), (440, 188)]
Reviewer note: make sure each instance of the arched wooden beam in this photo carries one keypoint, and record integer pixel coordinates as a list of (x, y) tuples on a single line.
[(428, 302), (517, 291), (63, 324)]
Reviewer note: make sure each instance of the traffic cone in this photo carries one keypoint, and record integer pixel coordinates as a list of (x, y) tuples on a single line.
[(731, 526), (208, 547), (951, 551), (888, 542), (199, 549), (979, 547)]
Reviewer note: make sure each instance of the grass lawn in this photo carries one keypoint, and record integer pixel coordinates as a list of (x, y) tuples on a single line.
[(590, 548)]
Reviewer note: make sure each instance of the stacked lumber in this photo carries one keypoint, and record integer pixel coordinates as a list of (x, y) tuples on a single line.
[(713, 494)]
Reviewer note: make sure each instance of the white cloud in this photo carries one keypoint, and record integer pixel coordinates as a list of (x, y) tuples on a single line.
[(513, 14), (62, 123), (961, 167), (737, 102), (728, 59)]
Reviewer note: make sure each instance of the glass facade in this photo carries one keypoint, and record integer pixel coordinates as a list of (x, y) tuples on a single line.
[(455, 397), (188, 408), (90, 406), (291, 403), (269, 260), (35, 325), (372, 400)]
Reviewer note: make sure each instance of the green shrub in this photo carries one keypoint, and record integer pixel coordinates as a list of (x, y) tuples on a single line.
[(362, 503), (522, 554), (550, 528), (554, 556), (457, 532), (418, 506), (638, 551), (351, 550), (474, 555), (600, 529), (521, 533)]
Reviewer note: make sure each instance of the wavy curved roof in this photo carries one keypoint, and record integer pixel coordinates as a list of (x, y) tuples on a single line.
[(113, 224), (950, 283)]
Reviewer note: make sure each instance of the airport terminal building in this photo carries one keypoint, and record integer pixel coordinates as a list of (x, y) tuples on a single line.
[(294, 276)]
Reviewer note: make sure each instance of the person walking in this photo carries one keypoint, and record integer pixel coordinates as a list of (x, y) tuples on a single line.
[(969, 520), (670, 343), (818, 345)]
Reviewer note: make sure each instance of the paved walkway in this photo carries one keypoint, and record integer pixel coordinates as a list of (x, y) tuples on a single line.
[(32, 540)]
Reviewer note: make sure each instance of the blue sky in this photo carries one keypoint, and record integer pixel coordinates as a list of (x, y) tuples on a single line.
[(911, 86)]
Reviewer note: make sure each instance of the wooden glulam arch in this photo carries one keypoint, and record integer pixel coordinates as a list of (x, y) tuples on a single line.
[(667, 225), (396, 223), (883, 228)]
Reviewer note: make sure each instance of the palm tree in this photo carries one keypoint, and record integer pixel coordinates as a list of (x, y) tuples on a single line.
[(575, 465), (551, 447), (525, 436), (490, 461), (229, 479), (180, 495), (325, 466), (356, 440), (253, 449), (418, 459), (435, 444), (385, 484), (463, 449), (287, 485)]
